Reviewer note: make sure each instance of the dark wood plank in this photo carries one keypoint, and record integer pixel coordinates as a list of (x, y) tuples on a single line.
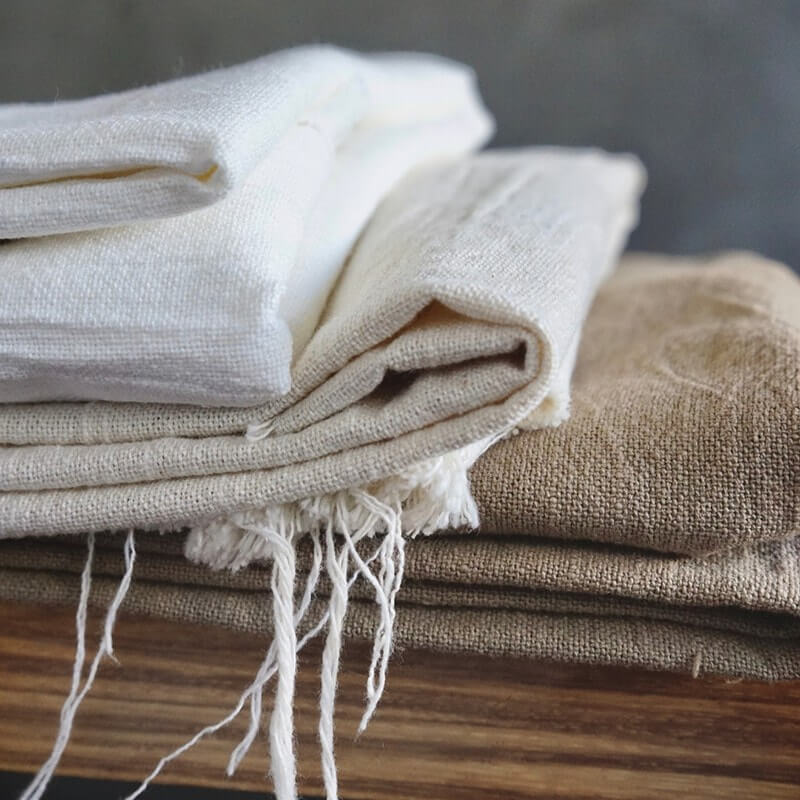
[(451, 727)]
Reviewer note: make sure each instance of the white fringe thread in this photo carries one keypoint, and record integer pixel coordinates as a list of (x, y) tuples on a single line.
[(335, 543), (430, 496), (75, 697)]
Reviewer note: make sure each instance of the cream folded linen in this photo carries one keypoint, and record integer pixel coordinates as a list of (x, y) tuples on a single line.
[(291, 153), (457, 318)]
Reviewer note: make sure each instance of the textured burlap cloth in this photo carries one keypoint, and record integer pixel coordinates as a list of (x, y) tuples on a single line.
[(683, 439), (735, 615), (684, 435)]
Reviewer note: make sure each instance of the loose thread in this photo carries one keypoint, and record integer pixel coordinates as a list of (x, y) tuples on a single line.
[(382, 649), (281, 724), (38, 785), (256, 695), (336, 564), (129, 551), (266, 672), (428, 496), (386, 586)]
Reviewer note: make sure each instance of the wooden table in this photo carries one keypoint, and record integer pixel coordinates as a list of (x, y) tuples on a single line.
[(450, 727)]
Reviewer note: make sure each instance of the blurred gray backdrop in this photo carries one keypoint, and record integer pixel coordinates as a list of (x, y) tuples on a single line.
[(706, 92)]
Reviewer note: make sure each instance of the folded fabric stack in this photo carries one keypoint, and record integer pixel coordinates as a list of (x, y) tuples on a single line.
[(683, 439), (277, 312)]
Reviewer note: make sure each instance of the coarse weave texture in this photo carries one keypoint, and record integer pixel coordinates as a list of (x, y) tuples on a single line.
[(291, 153), (656, 328), (723, 330), (684, 434), (158, 151), (457, 318), (734, 615)]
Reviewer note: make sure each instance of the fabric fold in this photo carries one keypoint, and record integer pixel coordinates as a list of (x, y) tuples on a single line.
[(210, 307), (682, 361), (684, 435), (158, 151), (436, 339)]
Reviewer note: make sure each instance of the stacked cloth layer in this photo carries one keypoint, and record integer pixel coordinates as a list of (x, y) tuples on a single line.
[(288, 156), (658, 527)]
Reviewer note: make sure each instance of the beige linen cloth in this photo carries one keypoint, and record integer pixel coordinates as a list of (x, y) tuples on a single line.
[(456, 318)]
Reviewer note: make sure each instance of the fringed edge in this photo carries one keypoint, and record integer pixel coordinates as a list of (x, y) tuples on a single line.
[(427, 497), (430, 496)]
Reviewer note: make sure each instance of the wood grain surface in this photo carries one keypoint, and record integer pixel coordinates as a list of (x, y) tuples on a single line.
[(452, 727)]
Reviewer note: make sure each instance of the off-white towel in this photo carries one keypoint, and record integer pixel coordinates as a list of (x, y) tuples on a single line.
[(163, 150), (457, 318), (207, 307)]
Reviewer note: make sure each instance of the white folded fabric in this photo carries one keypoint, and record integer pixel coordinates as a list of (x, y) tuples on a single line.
[(167, 149), (291, 153), (456, 318)]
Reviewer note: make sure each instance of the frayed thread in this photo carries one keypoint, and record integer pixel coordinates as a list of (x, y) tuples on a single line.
[(281, 726), (334, 551), (265, 673), (75, 697), (429, 496), (257, 688), (426, 497)]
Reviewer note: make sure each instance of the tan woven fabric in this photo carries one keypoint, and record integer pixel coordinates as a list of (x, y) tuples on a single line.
[(576, 638), (761, 578), (736, 616), (685, 427)]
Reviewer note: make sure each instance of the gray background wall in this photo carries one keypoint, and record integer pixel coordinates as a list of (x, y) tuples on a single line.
[(707, 92)]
